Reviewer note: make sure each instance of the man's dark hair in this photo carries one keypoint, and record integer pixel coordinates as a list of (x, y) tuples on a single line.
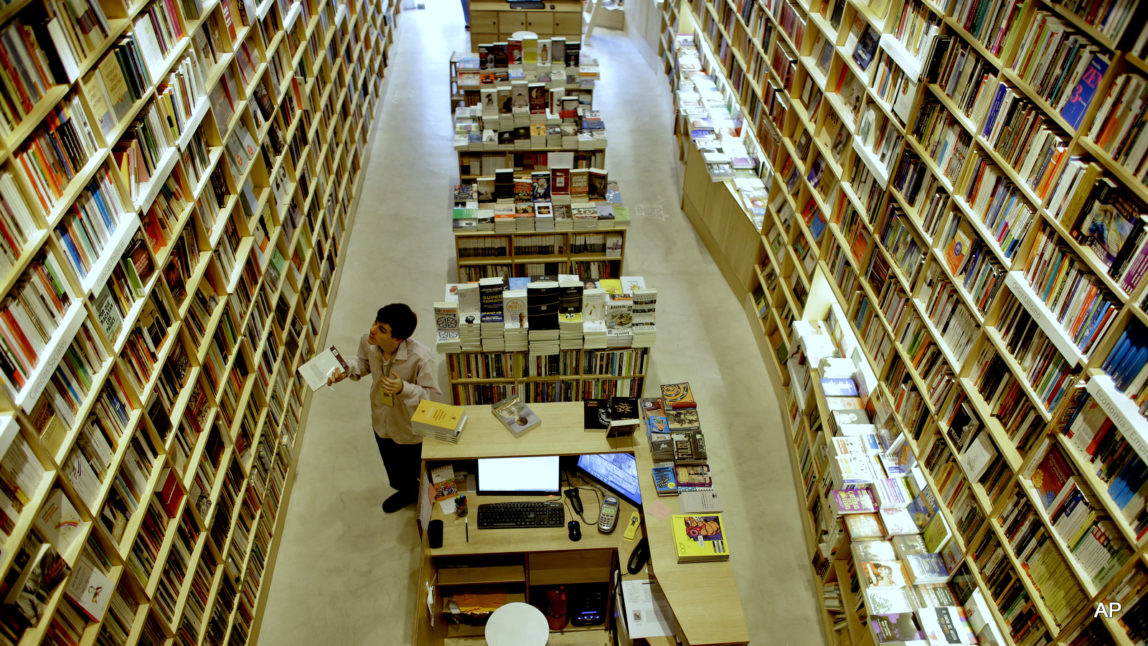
[(401, 319)]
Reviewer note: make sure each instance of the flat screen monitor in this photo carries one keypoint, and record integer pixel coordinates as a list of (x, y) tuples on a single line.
[(518, 476), (618, 471)]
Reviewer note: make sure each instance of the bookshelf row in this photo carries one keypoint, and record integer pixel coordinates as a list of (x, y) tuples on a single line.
[(969, 176), (186, 214)]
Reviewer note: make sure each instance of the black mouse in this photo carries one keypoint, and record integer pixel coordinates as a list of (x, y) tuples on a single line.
[(575, 530), (638, 557)]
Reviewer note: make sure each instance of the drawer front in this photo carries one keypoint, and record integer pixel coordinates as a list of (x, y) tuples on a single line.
[(540, 22), (511, 21), (568, 24)]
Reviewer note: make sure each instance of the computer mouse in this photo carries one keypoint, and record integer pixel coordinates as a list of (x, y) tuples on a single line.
[(638, 557), (575, 530)]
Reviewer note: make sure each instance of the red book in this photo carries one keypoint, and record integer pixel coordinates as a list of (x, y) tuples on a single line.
[(171, 494)]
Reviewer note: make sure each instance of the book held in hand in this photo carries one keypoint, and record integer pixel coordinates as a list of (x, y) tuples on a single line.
[(324, 364), (515, 415)]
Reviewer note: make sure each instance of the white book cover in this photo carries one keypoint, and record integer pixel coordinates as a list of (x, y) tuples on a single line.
[(469, 303)]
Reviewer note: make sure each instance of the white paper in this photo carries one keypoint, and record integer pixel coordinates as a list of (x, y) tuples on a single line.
[(316, 371), (698, 502), (646, 612)]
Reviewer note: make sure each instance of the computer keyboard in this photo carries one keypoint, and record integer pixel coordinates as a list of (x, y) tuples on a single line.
[(502, 515)]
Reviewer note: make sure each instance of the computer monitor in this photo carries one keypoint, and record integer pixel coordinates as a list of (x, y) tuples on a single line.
[(618, 471), (535, 475)]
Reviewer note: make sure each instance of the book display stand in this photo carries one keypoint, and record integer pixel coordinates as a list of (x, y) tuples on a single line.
[(546, 341), (531, 149), (967, 181), (176, 180)]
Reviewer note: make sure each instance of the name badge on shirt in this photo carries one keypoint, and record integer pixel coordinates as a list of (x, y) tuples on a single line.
[(385, 398)]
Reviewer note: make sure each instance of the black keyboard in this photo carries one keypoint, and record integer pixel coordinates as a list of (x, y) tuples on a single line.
[(502, 515)]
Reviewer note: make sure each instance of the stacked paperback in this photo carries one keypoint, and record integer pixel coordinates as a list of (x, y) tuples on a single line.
[(545, 316), (440, 421)]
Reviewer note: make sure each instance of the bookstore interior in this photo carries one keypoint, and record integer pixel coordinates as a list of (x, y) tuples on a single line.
[(934, 214)]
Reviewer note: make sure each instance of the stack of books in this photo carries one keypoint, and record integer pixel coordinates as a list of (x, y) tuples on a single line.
[(440, 421), (542, 316), (643, 327), (619, 320), (514, 321), (446, 327), (594, 318), (569, 312), (700, 538), (545, 316)]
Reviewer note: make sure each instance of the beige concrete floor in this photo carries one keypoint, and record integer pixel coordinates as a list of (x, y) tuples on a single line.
[(346, 572)]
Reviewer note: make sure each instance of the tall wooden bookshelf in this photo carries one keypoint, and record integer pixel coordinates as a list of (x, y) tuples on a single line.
[(180, 184), (878, 210), (593, 253)]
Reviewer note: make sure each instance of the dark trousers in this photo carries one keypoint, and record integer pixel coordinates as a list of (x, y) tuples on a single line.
[(402, 464)]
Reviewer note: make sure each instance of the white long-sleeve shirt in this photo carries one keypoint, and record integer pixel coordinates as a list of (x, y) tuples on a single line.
[(414, 364)]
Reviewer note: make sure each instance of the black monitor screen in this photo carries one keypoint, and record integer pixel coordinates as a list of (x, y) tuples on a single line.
[(618, 471), (511, 476)]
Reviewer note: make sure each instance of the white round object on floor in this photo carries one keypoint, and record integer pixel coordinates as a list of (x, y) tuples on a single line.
[(524, 35), (517, 624)]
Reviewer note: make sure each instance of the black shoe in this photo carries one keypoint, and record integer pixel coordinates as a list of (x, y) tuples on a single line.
[(397, 501)]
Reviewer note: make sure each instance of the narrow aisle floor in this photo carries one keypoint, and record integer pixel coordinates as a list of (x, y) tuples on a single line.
[(345, 572)]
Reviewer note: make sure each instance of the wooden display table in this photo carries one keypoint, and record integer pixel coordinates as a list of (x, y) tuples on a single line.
[(702, 596)]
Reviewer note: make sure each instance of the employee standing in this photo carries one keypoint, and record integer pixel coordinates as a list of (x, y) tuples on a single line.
[(402, 374)]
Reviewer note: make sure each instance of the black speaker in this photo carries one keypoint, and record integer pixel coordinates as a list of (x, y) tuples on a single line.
[(434, 534)]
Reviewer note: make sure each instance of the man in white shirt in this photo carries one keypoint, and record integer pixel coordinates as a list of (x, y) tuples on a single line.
[(402, 374)]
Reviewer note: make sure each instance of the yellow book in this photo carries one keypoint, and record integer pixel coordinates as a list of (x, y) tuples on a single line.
[(700, 537), (435, 419)]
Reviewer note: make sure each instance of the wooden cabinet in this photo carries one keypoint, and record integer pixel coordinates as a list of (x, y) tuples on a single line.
[(540, 22), (495, 21)]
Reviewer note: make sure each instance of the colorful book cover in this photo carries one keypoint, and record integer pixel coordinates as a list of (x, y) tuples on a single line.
[(678, 396), (1081, 96), (882, 574), (664, 481), (895, 628), (693, 475), (699, 537), (839, 387), (853, 501), (926, 568)]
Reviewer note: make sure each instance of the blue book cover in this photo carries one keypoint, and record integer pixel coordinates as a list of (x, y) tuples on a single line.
[(1114, 355), (1081, 96)]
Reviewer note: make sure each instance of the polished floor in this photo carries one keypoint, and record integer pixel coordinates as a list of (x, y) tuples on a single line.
[(345, 572)]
